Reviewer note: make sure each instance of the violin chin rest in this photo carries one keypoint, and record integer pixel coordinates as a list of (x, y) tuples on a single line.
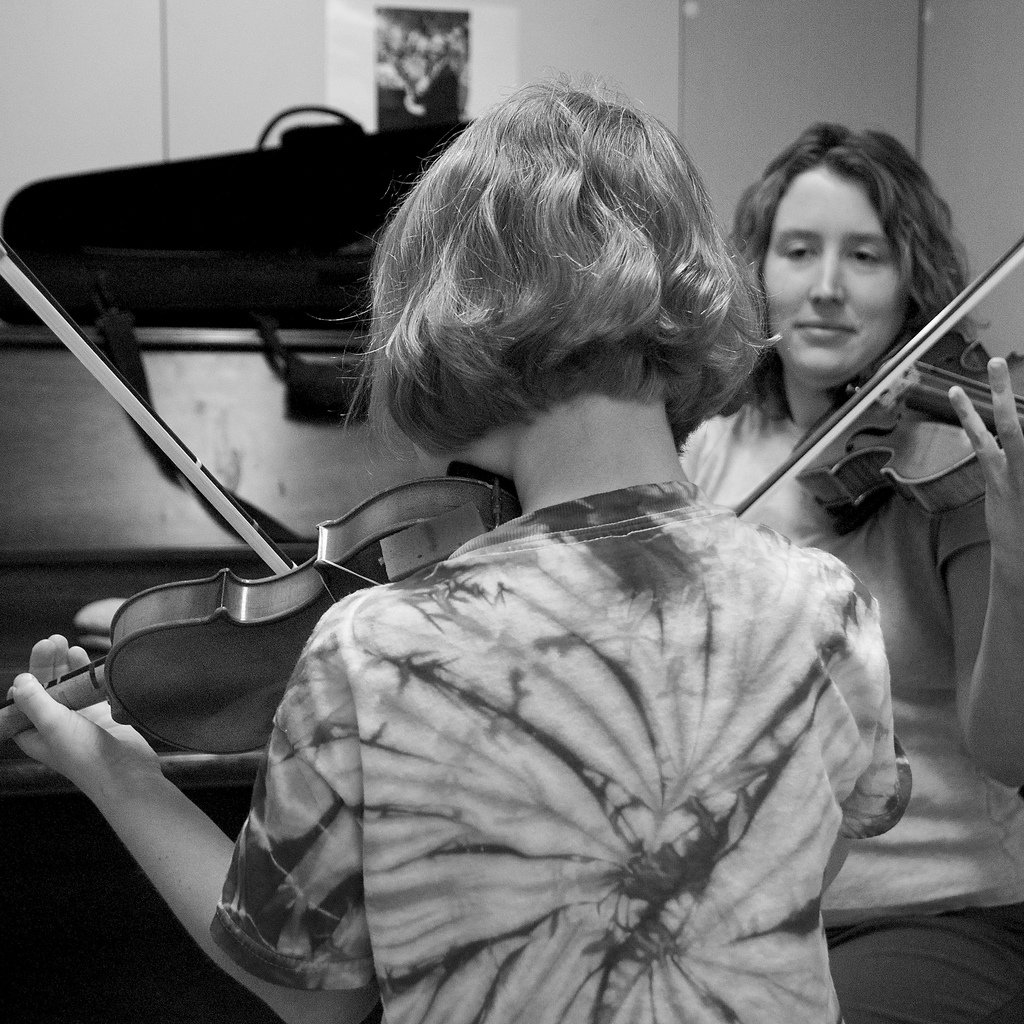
[(92, 623)]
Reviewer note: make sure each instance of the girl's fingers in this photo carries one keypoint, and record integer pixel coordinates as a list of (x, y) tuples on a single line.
[(48, 658), (78, 658), (53, 657), (34, 702)]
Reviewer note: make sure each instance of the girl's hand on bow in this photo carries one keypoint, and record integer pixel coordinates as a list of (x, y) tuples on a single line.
[(1001, 461)]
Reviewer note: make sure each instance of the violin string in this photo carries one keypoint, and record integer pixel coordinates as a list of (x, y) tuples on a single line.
[(356, 575)]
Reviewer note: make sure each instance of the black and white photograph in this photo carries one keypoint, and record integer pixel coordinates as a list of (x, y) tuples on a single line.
[(512, 511), (422, 66)]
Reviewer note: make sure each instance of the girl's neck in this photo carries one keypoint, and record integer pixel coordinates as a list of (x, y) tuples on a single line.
[(590, 445)]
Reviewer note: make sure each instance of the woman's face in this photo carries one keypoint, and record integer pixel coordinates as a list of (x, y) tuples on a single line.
[(833, 287)]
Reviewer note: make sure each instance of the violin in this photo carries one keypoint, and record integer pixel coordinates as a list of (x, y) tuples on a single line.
[(898, 432), (913, 446), (173, 667)]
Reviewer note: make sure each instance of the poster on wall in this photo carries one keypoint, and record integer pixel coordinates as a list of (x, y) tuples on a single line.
[(422, 72), (419, 62)]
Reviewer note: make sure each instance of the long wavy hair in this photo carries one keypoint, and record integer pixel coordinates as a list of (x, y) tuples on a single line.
[(915, 218), (562, 245)]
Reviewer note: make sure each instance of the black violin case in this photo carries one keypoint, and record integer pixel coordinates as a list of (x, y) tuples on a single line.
[(283, 232)]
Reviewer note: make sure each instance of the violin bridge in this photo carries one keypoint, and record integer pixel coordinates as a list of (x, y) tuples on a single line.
[(892, 394)]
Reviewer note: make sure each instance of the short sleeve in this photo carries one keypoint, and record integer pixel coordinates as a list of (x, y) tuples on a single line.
[(881, 790), (292, 909), (958, 529), (872, 809)]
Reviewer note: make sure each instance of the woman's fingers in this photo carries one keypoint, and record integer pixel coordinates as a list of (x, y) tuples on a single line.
[(981, 440), (1001, 458), (1010, 443), (1004, 408), (49, 658)]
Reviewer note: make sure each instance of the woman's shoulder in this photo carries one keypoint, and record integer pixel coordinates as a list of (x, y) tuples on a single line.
[(727, 456), (746, 427)]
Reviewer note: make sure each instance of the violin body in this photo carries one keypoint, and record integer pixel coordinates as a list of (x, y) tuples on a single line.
[(895, 450), (201, 665), (198, 665), (404, 529)]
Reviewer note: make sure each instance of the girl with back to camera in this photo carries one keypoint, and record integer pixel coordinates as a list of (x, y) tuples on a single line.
[(593, 765), (855, 252)]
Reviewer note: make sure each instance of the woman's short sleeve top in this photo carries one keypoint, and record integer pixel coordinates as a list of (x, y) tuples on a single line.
[(961, 841)]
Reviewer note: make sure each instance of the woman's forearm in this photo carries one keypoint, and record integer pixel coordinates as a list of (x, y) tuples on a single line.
[(992, 704)]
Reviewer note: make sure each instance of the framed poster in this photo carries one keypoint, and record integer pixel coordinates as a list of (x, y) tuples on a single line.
[(416, 62)]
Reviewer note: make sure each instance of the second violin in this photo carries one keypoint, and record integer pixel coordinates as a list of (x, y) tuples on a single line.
[(911, 443)]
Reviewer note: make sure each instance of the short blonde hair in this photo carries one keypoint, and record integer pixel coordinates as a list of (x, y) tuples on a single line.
[(562, 245)]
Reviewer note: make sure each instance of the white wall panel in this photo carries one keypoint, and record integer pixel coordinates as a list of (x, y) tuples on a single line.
[(633, 44), (79, 87), (973, 140), (757, 72), (234, 64)]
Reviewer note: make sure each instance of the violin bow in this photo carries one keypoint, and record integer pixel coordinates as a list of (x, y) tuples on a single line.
[(887, 378), (39, 300)]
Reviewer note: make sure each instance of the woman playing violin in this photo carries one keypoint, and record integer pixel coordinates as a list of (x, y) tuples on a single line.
[(556, 777), (855, 254)]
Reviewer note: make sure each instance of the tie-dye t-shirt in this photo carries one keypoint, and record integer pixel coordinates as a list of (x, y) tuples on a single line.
[(588, 769)]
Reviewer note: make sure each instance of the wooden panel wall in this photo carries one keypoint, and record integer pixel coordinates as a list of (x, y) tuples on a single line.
[(78, 479)]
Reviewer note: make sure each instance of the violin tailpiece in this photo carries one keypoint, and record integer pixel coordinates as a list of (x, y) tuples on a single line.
[(429, 541)]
